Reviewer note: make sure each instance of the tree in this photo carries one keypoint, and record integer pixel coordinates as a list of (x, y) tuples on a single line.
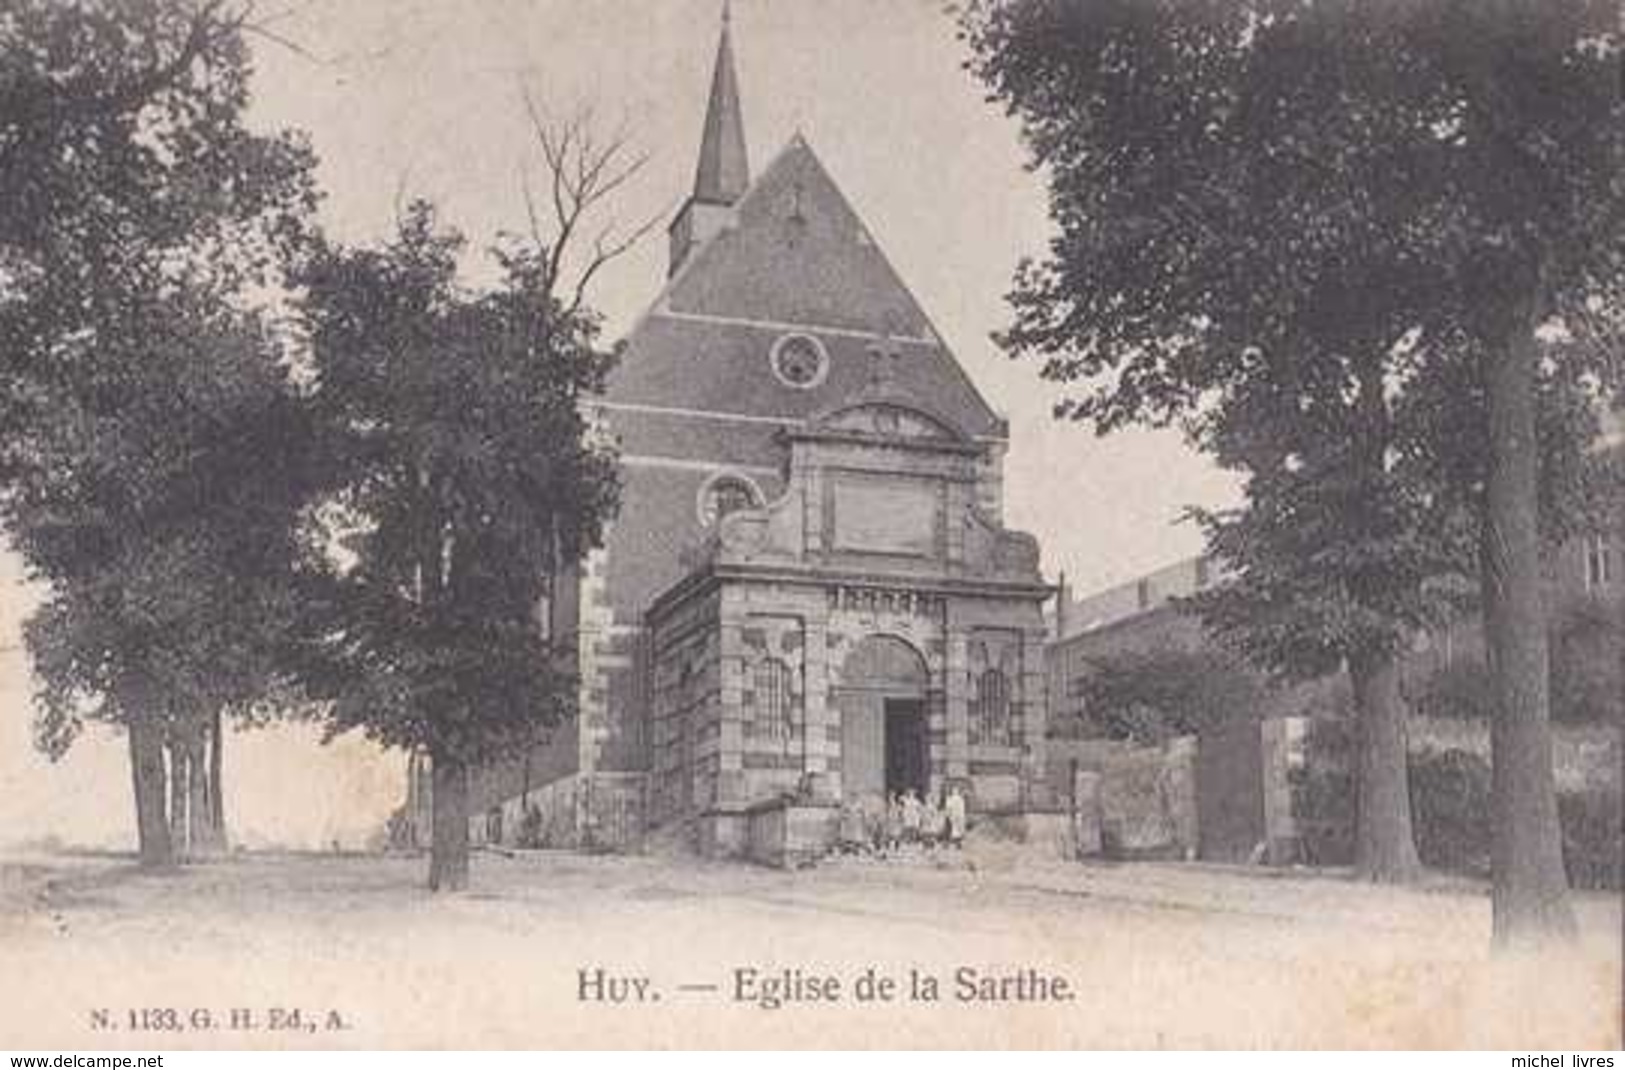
[(144, 404), (172, 596), (1154, 695), (1271, 217), (1211, 271), (1588, 671), (1588, 679), (1535, 232), (463, 476)]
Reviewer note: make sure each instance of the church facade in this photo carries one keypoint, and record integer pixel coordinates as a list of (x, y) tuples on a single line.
[(808, 596)]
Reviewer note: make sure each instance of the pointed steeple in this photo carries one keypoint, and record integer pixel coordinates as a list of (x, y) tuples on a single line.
[(723, 173), (724, 169)]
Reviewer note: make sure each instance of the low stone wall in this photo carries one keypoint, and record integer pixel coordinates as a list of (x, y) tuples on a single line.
[(1050, 833), (597, 812), (613, 811), (553, 823), (788, 834), (1141, 802), (722, 834)]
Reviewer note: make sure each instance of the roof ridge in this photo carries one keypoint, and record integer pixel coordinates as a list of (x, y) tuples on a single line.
[(695, 254), (902, 285), (660, 305)]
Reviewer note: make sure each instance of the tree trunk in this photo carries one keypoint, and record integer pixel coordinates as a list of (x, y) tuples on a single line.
[(1530, 890), (180, 777), (448, 818), (147, 775), (1384, 847), (524, 792), (198, 826), (214, 808)]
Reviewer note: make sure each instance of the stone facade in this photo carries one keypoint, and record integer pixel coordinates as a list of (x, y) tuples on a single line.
[(870, 631), (808, 585)]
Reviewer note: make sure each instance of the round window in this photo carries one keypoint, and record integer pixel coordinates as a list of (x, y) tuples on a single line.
[(799, 360)]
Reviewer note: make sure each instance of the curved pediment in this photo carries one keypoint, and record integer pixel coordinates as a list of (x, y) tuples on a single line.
[(888, 418)]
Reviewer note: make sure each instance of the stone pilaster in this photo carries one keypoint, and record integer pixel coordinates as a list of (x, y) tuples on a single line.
[(816, 708), (1034, 716), (956, 701)]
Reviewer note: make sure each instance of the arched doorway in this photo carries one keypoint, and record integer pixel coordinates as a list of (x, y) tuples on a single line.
[(881, 696)]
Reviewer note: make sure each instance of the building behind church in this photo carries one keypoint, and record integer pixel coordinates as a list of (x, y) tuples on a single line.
[(1144, 615)]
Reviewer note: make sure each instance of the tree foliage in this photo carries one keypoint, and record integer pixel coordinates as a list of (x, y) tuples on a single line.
[(148, 468), (1588, 671), (1588, 679), (1154, 695), (1264, 237), (171, 555), (460, 478), (1320, 239), (461, 462)]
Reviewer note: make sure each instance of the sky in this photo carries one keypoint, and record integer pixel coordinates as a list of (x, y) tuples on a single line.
[(425, 98)]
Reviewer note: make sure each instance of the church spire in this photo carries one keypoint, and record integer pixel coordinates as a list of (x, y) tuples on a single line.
[(724, 170), (723, 173)]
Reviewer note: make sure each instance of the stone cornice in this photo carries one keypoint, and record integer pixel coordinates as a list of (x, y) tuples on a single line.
[(712, 575)]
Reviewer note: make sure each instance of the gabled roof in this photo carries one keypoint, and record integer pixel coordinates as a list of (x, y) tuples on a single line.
[(797, 253), (796, 258)]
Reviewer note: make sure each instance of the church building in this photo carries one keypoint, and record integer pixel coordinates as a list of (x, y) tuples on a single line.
[(809, 596)]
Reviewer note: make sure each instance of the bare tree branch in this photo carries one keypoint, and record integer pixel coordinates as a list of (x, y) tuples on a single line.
[(399, 203), (604, 254), (198, 34), (584, 172), (530, 204), (262, 29)]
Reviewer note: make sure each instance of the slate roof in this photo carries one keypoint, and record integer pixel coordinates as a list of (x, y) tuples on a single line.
[(797, 258)]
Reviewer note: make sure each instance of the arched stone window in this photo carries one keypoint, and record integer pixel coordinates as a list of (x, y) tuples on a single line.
[(774, 692), (724, 493), (990, 709), (993, 679)]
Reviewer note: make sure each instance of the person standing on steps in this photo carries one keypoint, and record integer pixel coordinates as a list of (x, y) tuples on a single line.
[(911, 817), (894, 822), (954, 811)]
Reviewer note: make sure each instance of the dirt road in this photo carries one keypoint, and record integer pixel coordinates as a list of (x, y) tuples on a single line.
[(566, 950)]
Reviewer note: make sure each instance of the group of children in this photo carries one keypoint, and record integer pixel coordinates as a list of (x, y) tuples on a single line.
[(884, 825)]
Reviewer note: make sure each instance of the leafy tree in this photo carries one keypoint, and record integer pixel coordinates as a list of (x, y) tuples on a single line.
[(1208, 272), (461, 476), (1296, 231), (1460, 692), (176, 589), (1529, 225), (146, 459), (1154, 695), (1587, 688), (1588, 671)]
